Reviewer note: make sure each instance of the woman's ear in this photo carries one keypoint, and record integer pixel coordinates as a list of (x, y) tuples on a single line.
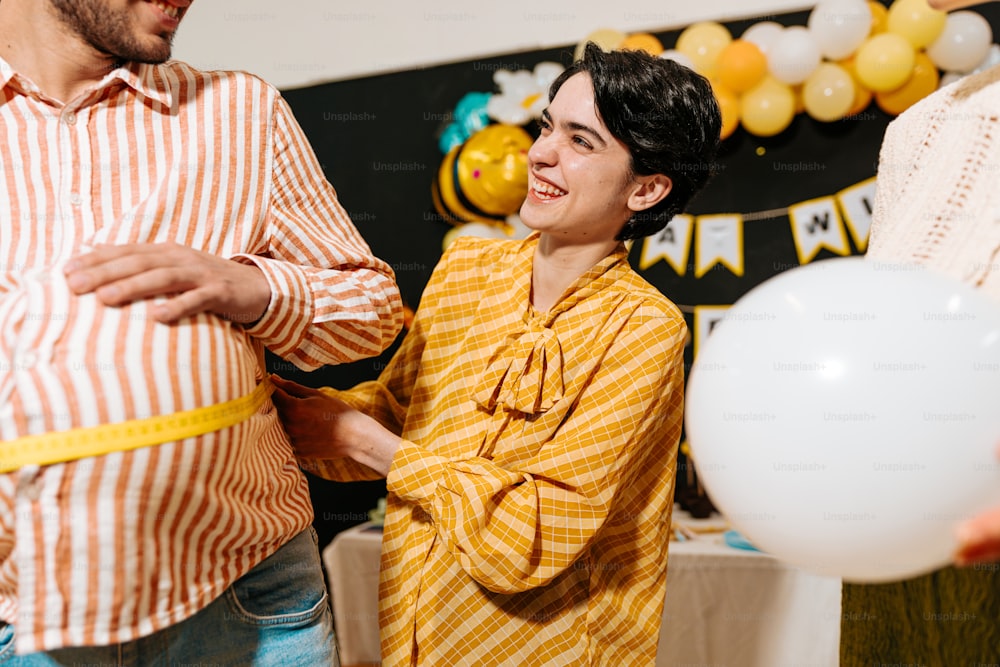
[(649, 191)]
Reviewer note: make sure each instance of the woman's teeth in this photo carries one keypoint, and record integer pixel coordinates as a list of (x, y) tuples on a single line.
[(546, 190)]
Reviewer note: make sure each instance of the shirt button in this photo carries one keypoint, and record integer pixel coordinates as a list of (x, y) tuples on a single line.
[(33, 490), (75, 199), (408, 600), (39, 275), (70, 118)]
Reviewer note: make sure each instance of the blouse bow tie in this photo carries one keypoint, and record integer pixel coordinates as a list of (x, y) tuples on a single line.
[(525, 374)]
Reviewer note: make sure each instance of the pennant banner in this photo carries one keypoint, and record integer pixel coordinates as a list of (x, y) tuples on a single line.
[(705, 319), (672, 244), (857, 203), (816, 224), (719, 240)]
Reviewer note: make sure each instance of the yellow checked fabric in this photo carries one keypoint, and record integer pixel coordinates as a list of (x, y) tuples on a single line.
[(529, 504)]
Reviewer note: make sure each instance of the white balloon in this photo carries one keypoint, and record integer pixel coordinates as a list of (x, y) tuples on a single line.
[(843, 416), (763, 34), (678, 57), (840, 26), (794, 55), (992, 59), (949, 78), (963, 44)]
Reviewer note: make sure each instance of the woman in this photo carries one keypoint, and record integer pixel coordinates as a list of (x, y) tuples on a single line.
[(528, 425), (937, 205)]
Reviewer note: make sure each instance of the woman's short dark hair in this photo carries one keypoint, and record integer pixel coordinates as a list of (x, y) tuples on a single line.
[(667, 116)]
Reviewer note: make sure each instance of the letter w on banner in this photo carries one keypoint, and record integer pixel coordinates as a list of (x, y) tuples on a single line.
[(719, 240), (817, 224)]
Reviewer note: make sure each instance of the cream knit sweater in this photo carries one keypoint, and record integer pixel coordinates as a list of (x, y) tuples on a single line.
[(937, 200)]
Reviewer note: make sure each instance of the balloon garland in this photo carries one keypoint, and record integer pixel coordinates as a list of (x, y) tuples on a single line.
[(850, 53)]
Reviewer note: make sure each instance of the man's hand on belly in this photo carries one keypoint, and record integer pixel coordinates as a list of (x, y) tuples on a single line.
[(192, 281)]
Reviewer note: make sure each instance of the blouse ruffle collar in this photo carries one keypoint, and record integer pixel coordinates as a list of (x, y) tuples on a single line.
[(525, 371)]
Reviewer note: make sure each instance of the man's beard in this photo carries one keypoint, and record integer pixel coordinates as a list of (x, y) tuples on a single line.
[(109, 31)]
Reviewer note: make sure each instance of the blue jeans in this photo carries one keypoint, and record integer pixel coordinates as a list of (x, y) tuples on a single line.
[(276, 615)]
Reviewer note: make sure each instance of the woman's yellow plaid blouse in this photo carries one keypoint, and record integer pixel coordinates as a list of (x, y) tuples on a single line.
[(529, 505)]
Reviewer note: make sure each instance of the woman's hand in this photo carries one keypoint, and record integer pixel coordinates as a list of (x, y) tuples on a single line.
[(321, 425), (979, 537)]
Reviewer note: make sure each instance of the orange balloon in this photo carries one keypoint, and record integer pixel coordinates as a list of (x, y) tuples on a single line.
[(729, 105), (862, 96), (880, 17), (741, 65), (800, 102), (923, 82), (642, 41)]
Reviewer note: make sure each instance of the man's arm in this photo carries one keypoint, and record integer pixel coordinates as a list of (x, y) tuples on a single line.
[(312, 291)]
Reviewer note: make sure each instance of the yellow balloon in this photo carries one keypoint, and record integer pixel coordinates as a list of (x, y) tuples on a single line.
[(923, 82), (729, 105), (741, 65), (880, 17), (862, 96), (884, 61), (828, 93), (606, 38), (768, 108), (702, 42), (642, 41), (916, 21)]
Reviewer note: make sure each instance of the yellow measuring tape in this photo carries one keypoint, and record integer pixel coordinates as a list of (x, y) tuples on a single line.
[(78, 443)]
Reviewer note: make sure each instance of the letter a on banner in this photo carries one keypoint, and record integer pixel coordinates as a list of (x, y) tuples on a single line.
[(816, 224), (672, 244), (719, 240), (857, 202)]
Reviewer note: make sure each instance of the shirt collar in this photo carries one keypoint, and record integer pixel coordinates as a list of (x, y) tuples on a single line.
[(146, 80), (6, 73)]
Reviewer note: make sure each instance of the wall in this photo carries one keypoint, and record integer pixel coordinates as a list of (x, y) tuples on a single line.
[(323, 41)]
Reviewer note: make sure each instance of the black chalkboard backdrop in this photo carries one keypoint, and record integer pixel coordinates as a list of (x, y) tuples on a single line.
[(376, 138)]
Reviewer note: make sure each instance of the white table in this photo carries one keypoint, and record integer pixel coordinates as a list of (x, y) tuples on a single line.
[(724, 606)]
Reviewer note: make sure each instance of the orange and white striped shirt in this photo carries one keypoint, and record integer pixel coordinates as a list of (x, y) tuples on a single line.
[(529, 506), (106, 549)]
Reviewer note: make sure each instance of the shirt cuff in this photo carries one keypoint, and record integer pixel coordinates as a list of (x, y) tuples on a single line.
[(415, 475), (285, 322)]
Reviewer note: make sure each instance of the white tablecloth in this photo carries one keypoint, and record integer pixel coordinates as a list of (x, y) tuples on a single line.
[(725, 607)]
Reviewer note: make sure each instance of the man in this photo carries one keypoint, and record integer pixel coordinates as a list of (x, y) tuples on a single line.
[(528, 425), (160, 227), (936, 206)]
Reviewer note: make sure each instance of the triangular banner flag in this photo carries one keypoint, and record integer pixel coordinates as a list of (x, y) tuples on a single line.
[(816, 224), (672, 244), (857, 203), (719, 240), (705, 319)]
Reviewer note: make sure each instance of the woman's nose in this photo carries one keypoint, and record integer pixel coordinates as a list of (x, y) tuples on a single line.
[(543, 151)]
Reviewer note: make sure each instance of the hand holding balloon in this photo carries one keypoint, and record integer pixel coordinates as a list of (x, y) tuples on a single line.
[(979, 537)]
